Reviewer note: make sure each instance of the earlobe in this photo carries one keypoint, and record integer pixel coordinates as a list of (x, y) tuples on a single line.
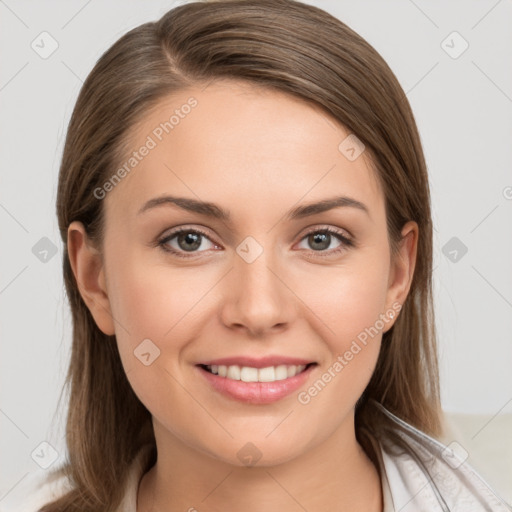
[(88, 269)]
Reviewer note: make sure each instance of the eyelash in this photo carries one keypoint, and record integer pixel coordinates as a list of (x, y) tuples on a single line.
[(345, 242)]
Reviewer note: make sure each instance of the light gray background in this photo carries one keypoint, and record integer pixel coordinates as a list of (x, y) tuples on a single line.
[(463, 108)]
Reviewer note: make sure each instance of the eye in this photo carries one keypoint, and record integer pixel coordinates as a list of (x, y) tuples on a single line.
[(192, 241), (321, 239), (186, 240)]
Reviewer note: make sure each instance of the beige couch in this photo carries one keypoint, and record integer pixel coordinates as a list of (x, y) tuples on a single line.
[(488, 441)]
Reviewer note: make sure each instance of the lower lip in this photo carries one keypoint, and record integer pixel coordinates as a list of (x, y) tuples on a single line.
[(256, 392)]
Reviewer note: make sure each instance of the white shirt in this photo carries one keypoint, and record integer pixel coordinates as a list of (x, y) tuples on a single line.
[(418, 474)]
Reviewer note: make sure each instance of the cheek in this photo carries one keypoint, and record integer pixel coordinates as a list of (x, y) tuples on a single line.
[(150, 297), (158, 303), (349, 303), (347, 299), (156, 310)]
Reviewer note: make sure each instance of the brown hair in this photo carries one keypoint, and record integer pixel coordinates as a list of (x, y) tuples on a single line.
[(279, 44)]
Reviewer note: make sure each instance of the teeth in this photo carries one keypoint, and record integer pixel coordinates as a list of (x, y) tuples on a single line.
[(234, 372), (249, 374), (267, 374), (282, 371)]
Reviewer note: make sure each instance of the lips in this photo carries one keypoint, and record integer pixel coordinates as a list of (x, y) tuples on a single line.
[(256, 392)]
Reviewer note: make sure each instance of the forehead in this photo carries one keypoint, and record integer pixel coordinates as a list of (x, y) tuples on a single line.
[(233, 141)]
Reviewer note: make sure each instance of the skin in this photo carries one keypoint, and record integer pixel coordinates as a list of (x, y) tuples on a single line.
[(256, 153)]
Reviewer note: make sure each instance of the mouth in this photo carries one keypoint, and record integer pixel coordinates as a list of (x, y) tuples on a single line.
[(253, 385)]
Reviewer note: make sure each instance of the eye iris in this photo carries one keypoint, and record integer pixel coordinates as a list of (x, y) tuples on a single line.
[(320, 238), (193, 238)]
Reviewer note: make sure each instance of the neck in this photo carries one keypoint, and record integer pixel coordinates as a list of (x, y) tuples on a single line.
[(333, 475)]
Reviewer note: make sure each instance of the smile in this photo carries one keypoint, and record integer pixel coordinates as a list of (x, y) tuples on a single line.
[(256, 385)]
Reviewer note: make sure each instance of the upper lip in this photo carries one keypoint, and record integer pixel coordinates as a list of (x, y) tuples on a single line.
[(253, 362)]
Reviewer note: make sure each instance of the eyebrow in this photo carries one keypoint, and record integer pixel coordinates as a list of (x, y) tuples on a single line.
[(212, 210)]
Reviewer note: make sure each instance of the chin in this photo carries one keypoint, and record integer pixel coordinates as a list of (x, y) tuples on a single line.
[(258, 452)]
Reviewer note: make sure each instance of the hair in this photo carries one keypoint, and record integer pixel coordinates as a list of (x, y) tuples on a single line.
[(281, 45)]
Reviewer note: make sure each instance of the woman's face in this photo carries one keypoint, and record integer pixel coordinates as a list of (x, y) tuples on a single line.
[(264, 281)]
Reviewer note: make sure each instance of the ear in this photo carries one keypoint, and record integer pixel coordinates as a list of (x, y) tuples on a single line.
[(402, 268), (87, 264)]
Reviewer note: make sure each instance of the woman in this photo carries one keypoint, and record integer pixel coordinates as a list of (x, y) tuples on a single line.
[(244, 202)]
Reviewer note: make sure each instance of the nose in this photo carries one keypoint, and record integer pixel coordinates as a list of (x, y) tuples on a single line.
[(257, 298)]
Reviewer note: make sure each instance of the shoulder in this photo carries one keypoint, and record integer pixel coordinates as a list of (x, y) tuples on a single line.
[(40, 487), (34, 490), (424, 474)]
